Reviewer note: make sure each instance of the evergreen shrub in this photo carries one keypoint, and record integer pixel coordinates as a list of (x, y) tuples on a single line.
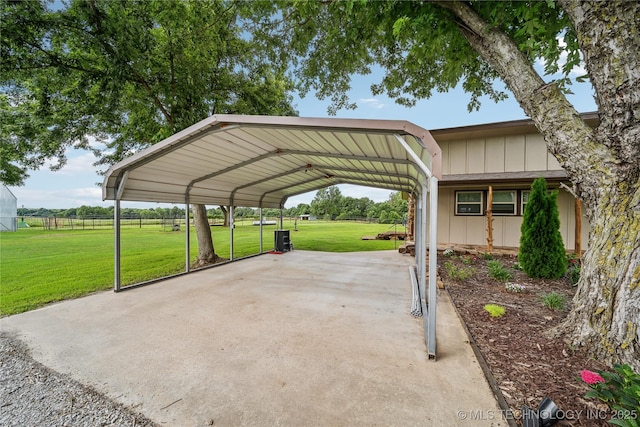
[(542, 253)]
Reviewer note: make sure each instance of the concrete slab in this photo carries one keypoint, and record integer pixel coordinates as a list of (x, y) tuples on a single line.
[(303, 338)]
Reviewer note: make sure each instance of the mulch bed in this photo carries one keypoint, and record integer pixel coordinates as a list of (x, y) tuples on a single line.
[(526, 363)]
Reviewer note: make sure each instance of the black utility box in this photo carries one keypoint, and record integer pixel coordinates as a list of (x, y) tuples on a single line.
[(282, 241)]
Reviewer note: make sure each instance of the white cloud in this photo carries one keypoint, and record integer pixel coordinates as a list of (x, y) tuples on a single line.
[(79, 164), (94, 143), (371, 103), (59, 199)]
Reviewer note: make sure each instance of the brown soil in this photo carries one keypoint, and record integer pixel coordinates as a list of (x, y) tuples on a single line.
[(526, 363)]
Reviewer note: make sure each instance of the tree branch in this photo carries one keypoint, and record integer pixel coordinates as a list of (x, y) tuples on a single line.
[(609, 38), (567, 136)]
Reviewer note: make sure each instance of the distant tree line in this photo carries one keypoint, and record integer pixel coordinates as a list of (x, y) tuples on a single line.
[(328, 203)]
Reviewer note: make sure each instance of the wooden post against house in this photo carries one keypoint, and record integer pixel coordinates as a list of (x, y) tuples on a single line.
[(490, 220), (578, 230)]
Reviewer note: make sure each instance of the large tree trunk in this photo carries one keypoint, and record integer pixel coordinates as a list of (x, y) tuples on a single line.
[(206, 252), (606, 315), (606, 308), (225, 212), (603, 164)]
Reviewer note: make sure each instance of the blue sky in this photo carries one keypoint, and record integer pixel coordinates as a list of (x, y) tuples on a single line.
[(76, 184)]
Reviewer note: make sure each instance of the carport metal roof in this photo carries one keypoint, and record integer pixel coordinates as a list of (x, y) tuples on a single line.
[(260, 161)]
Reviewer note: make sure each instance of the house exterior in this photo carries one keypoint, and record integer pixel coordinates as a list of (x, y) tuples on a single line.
[(8, 210), (505, 158)]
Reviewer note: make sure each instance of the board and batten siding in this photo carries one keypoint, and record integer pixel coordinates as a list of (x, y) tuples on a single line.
[(499, 154), (509, 153)]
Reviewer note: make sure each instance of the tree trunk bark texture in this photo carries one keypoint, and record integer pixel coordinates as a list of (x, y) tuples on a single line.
[(603, 163), (605, 317), (206, 251), (225, 211)]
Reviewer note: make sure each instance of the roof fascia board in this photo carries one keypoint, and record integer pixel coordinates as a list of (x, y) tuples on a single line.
[(503, 177), (511, 127)]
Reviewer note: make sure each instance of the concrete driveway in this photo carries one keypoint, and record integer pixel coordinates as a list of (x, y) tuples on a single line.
[(299, 339)]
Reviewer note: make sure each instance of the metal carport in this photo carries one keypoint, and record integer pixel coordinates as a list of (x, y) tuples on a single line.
[(260, 161)]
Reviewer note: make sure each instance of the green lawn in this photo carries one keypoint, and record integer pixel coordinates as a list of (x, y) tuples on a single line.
[(38, 266)]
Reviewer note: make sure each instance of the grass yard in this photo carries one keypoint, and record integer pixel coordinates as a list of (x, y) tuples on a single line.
[(38, 266)]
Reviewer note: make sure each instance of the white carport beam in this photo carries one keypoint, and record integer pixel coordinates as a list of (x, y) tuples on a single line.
[(325, 170), (275, 190), (416, 159), (295, 153), (329, 169), (338, 179), (121, 184), (267, 179)]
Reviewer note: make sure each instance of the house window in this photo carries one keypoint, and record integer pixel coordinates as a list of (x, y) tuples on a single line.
[(469, 203), (525, 199), (504, 203)]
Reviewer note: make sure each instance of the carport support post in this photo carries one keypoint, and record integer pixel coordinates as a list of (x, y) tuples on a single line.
[(433, 263), (260, 218), (422, 274), (231, 227), (116, 245), (187, 239)]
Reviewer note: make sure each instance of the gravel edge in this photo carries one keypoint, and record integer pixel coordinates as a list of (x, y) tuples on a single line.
[(32, 394)]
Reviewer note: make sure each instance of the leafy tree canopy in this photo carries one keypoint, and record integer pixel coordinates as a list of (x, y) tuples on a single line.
[(127, 73), (417, 44)]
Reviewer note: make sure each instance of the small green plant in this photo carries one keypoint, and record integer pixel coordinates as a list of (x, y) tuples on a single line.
[(574, 269), (514, 287), (487, 255), (467, 260), (494, 310), (497, 271), (620, 390), (517, 266), (553, 301), (574, 274), (458, 273)]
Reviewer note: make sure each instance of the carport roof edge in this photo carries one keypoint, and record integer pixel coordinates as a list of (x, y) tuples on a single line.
[(260, 161)]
